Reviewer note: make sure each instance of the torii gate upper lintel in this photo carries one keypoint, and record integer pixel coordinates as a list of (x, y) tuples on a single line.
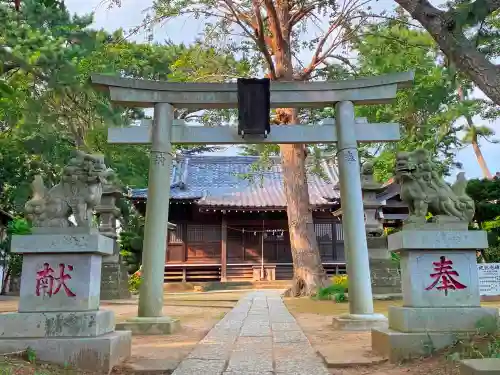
[(346, 131)]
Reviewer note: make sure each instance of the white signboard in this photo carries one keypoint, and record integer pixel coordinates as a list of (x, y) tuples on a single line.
[(489, 279)]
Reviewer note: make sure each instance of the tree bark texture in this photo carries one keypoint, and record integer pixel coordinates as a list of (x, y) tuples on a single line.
[(480, 158), (309, 274), (273, 40), (474, 140), (308, 271), (452, 41)]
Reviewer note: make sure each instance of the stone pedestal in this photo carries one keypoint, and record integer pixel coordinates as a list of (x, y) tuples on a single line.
[(114, 281), (440, 293), (483, 366), (384, 272), (355, 322), (59, 316)]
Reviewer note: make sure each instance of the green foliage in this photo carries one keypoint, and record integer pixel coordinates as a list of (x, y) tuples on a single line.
[(30, 355), (15, 261), (334, 292), (14, 266), (396, 259), (426, 111), (492, 253), (47, 106), (341, 280), (485, 194), (134, 282), (131, 239)]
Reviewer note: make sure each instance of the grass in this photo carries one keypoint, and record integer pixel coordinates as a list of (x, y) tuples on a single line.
[(306, 305), (16, 365)]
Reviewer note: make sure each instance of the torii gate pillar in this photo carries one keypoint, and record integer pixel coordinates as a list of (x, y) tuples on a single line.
[(361, 314), (155, 228)]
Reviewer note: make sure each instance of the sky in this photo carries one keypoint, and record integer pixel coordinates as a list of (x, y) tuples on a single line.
[(130, 15)]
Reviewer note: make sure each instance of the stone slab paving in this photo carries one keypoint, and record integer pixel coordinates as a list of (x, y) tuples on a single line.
[(258, 336)]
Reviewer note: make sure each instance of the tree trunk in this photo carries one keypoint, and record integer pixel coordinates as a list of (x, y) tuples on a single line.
[(5, 280), (480, 157), (452, 41), (308, 271), (474, 141)]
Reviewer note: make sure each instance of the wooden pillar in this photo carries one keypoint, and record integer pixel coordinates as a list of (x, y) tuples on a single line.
[(223, 252)]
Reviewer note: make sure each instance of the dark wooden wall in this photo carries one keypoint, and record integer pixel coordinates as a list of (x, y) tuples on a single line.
[(198, 236)]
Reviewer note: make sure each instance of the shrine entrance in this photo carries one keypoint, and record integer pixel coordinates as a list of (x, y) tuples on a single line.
[(344, 130)]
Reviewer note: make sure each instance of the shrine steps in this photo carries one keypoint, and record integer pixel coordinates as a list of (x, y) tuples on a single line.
[(230, 285)]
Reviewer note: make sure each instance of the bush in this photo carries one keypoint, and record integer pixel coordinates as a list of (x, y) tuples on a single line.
[(492, 254), (134, 282), (17, 226), (341, 280), (334, 292)]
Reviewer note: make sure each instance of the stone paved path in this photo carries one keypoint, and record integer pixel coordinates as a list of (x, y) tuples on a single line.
[(258, 337)]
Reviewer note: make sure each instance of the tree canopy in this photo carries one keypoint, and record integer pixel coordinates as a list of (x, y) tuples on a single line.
[(47, 107), (467, 33)]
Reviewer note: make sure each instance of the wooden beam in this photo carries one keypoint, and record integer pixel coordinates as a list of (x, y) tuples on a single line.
[(145, 93), (224, 135), (223, 252)]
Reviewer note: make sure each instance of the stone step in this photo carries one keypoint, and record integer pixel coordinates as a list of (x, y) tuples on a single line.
[(335, 358), (149, 366), (230, 285), (483, 366)]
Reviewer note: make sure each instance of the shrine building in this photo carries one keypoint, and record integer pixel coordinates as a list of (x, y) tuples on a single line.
[(231, 222)]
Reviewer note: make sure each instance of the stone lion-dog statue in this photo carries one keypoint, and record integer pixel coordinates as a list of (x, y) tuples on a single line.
[(425, 191), (78, 193)]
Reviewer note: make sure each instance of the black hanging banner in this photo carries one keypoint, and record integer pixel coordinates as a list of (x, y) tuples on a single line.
[(254, 106)]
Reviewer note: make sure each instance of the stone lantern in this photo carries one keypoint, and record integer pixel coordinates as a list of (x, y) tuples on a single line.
[(114, 281), (384, 273)]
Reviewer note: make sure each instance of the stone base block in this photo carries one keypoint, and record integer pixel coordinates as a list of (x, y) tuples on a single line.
[(385, 276), (485, 366), (56, 324), (94, 354), (443, 319), (437, 240), (60, 282), (114, 281), (163, 325), (63, 241), (397, 346), (358, 322)]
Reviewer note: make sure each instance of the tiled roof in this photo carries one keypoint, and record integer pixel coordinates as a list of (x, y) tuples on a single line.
[(220, 181)]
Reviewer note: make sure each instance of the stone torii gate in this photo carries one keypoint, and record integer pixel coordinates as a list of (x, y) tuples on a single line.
[(165, 131)]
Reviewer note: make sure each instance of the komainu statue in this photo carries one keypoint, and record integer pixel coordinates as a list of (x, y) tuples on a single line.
[(424, 191), (77, 194)]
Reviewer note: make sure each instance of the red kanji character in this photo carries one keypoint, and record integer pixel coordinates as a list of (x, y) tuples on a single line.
[(45, 281), (62, 280), (444, 274)]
